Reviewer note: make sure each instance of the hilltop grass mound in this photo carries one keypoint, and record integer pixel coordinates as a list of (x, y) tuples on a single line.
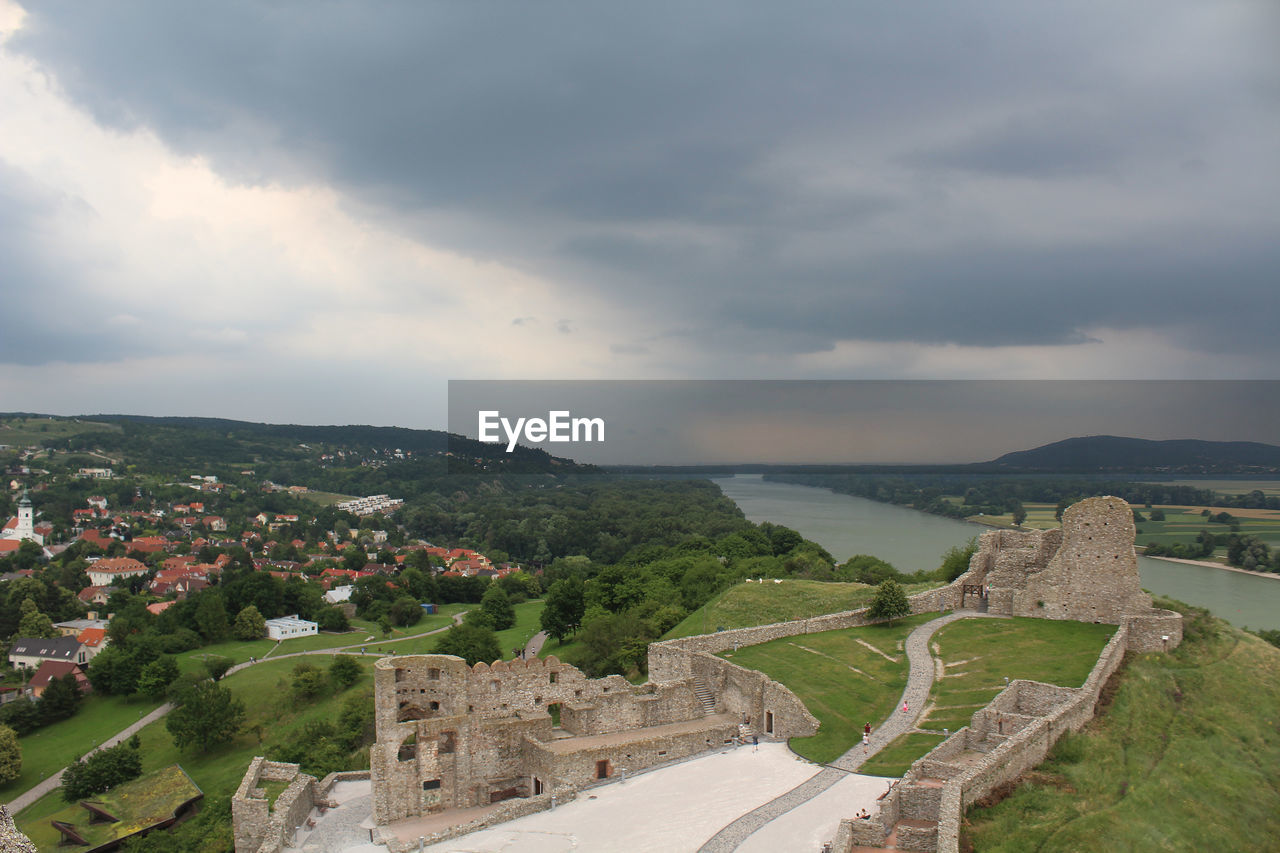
[(1186, 757), (747, 605)]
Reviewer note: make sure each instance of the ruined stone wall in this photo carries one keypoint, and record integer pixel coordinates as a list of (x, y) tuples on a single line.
[(260, 827), (754, 698), (1085, 570), (453, 736), (577, 767)]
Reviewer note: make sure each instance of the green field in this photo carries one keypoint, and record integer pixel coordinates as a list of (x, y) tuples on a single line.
[(1186, 757), (842, 682), (19, 433), (274, 715), (749, 604), (365, 634), (47, 750), (1181, 525), (977, 656)]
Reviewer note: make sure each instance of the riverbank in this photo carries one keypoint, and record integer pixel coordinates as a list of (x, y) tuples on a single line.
[(1207, 564)]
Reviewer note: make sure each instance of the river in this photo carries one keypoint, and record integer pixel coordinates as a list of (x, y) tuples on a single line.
[(846, 525)]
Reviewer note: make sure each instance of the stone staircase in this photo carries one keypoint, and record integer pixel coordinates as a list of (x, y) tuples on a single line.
[(705, 695)]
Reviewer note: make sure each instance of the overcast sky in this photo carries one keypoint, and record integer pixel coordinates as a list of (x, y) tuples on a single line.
[(320, 212)]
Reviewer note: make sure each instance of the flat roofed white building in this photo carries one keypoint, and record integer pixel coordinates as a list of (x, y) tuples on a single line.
[(288, 627)]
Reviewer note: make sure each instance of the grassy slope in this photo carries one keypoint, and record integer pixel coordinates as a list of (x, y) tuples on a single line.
[(842, 682), (978, 654), (49, 749), (748, 604), (1187, 757), (273, 717)]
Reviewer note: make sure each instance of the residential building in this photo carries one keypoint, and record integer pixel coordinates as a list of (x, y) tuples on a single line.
[(288, 627), (29, 653)]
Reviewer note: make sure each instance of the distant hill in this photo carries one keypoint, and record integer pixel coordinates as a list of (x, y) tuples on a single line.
[(171, 443), (1103, 453)]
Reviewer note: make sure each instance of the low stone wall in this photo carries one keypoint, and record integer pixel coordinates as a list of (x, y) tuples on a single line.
[(575, 764), (1066, 710), (505, 811)]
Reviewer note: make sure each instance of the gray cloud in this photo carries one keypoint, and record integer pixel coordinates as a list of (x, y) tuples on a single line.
[(805, 175)]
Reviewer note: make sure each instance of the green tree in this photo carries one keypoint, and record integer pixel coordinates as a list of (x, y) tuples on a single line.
[(155, 678), (562, 613), (217, 666), (497, 606), (250, 624), (10, 755), (34, 624), (208, 715), (61, 699), (471, 642), (211, 617), (344, 671), (955, 560), (104, 769), (889, 603), (308, 681)]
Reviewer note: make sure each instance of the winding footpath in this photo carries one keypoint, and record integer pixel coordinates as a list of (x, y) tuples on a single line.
[(38, 790), (919, 682)]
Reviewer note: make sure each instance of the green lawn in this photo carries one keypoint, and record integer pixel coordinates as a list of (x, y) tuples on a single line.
[(842, 682), (274, 715), (749, 604), (1187, 757), (49, 749), (896, 758), (977, 656), (240, 651), (528, 616)]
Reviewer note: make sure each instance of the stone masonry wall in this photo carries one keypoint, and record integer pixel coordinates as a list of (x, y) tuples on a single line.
[(259, 827), (754, 698), (453, 736)]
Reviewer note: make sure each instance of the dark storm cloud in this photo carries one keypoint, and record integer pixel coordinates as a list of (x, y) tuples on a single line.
[(727, 168), (52, 311)]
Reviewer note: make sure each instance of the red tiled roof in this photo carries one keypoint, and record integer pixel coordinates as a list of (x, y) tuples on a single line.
[(92, 636)]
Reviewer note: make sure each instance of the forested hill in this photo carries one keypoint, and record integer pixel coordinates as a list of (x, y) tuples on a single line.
[(156, 444), (1109, 453)]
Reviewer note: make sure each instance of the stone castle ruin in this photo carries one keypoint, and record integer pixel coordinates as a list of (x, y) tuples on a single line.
[(521, 733), (1084, 571)]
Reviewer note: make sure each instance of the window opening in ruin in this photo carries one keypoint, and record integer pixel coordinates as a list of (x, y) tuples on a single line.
[(602, 769), (768, 722), (577, 694), (448, 742), (433, 674), (537, 786), (430, 784), (435, 706), (408, 748), (554, 710), (553, 677), (399, 675)]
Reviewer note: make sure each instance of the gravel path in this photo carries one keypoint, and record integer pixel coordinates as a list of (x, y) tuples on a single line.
[(919, 681)]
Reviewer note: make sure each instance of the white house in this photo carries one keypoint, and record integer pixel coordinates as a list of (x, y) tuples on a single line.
[(339, 594), (288, 627)]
